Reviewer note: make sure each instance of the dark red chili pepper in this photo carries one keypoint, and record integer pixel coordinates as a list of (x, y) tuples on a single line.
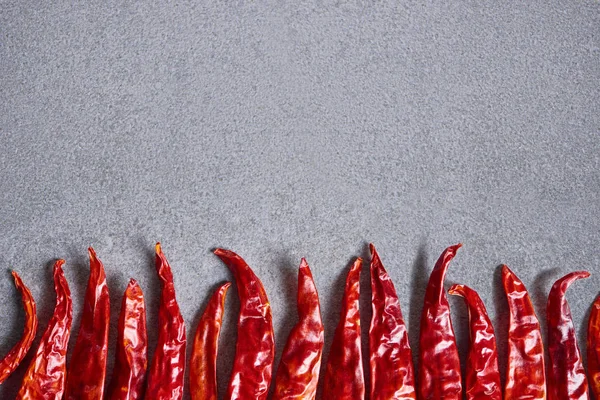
[(11, 361), (593, 348), (45, 377), (567, 376), (165, 380), (483, 376), (392, 372), (132, 346), (85, 379), (203, 364), (255, 349), (298, 372), (439, 365), (344, 378), (525, 377)]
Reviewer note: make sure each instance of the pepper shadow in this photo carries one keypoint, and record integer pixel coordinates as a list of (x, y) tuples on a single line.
[(152, 297), (500, 322), (419, 280), (80, 268), (366, 312), (288, 279), (331, 317), (583, 332), (115, 308), (540, 288), (228, 337)]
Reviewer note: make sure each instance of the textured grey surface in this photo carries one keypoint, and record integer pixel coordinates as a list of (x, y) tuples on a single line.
[(282, 131)]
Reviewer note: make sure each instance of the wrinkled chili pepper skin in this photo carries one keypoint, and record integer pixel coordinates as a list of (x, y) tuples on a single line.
[(593, 348), (45, 377), (298, 372), (439, 364), (87, 370), (255, 348), (127, 382), (483, 376), (203, 364), (11, 361), (344, 378), (525, 376), (567, 376), (165, 380), (392, 372)]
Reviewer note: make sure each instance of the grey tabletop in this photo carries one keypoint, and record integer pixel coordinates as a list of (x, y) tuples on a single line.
[(283, 131)]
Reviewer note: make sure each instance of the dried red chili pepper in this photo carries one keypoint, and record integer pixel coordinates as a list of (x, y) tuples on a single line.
[(567, 376), (255, 349), (45, 377), (203, 364), (298, 372), (525, 377), (11, 361), (344, 378), (127, 382), (439, 365), (593, 348), (483, 376), (165, 380), (85, 379), (392, 372)]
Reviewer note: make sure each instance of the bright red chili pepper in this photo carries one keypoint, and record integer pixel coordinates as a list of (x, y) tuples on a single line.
[(203, 364), (255, 349), (45, 377), (165, 380), (11, 361), (567, 376), (525, 377), (593, 348), (85, 379), (392, 372), (127, 382), (344, 378), (298, 372), (439, 365), (483, 376)]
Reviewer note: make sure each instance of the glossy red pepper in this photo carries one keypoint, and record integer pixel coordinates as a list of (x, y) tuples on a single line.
[(298, 372), (567, 376), (392, 372), (344, 378), (255, 349), (165, 380), (87, 370), (203, 364), (439, 365), (11, 361), (593, 348), (129, 372), (45, 377), (525, 377), (483, 376)]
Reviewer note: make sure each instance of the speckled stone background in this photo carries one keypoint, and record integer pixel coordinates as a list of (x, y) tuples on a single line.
[(289, 130)]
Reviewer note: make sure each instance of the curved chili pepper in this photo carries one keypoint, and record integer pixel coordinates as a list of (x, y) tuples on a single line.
[(203, 364), (525, 377), (11, 361), (392, 372), (439, 365), (298, 372), (593, 348), (85, 379), (483, 376), (127, 382), (45, 377), (165, 381), (344, 378), (568, 380), (255, 349)]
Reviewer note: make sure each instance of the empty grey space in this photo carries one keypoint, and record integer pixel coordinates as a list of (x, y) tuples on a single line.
[(283, 131)]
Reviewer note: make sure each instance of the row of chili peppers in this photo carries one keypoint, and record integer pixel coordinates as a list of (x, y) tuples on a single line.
[(391, 369)]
